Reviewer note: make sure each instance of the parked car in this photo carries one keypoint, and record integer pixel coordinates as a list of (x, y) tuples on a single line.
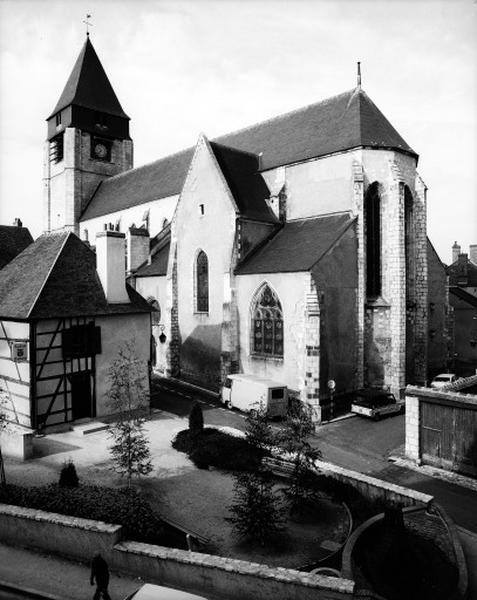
[(442, 380), (149, 591), (376, 403), (249, 393)]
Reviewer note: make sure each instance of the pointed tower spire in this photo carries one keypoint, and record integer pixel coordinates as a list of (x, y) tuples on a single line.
[(358, 83), (88, 86)]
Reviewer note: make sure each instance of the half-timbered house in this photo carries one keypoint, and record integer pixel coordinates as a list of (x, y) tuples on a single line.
[(64, 312)]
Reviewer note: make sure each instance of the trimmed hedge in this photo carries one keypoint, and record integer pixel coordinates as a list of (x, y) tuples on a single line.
[(119, 506), (215, 448)]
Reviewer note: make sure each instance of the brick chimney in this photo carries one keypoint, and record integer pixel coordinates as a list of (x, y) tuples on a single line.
[(455, 251), (110, 264), (473, 253), (137, 242), (17, 222)]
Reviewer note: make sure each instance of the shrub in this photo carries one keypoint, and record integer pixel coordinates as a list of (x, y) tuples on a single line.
[(218, 449), (119, 506), (196, 420), (68, 475)]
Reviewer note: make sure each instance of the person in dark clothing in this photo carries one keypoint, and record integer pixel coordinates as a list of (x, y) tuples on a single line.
[(100, 572)]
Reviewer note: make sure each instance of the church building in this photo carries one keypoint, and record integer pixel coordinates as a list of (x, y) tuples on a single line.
[(294, 249)]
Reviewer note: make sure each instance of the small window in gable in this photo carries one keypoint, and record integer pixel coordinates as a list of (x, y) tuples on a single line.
[(202, 282), (267, 323)]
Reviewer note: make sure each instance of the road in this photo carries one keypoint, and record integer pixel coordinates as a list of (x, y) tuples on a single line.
[(355, 443)]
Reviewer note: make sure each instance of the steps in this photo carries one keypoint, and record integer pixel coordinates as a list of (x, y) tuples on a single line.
[(90, 427)]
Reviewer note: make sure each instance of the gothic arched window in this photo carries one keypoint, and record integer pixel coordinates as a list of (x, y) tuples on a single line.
[(202, 282), (267, 323), (372, 220)]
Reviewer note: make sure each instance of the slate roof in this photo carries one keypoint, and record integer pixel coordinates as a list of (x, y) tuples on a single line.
[(56, 277), (463, 295), (349, 120), (247, 186), (297, 246), (158, 264), (462, 272), (13, 240), (88, 86)]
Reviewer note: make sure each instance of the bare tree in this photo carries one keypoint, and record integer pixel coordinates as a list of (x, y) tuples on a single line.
[(128, 399)]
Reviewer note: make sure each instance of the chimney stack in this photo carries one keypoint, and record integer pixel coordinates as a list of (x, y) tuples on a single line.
[(137, 241), (455, 251), (110, 265), (473, 253), (17, 222)]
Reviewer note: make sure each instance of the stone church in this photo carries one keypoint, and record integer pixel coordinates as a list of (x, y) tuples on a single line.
[(294, 249)]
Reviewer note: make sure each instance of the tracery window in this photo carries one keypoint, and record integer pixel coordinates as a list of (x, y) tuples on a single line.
[(156, 314), (267, 323), (202, 282)]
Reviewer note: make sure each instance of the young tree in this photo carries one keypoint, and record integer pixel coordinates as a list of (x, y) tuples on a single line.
[(196, 420), (257, 510), (129, 401), (294, 439)]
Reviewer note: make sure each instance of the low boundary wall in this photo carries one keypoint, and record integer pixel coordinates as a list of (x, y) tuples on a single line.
[(222, 577)]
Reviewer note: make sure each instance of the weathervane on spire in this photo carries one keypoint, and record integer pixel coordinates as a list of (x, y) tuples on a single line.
[(359, 75), (88, 24)]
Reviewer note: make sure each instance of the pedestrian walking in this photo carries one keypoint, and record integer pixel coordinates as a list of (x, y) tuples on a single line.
[(100, 573)]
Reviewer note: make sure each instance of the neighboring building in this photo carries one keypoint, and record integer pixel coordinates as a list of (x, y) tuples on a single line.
[(13, 240), (294, 249), (440, 344), (62, 322), (462, 275)]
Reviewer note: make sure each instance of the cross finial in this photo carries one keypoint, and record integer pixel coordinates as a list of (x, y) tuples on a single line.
[(88, 24), (359, 75)]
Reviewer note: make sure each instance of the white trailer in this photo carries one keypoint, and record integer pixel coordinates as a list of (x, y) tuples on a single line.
[(250, 393)]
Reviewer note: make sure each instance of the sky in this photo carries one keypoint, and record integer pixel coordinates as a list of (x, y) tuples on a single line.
[(180, 68)]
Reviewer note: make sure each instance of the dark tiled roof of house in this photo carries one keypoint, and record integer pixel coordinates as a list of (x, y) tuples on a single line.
[(463, 295), (297, 246), (247, 186), (56, 277), (13, 240), (88, 86), (462, 272), (349, 120)]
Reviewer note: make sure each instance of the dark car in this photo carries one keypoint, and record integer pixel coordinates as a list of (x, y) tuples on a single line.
[(376, 403)]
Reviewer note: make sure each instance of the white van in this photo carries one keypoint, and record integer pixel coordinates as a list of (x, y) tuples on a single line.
[(248, 393)]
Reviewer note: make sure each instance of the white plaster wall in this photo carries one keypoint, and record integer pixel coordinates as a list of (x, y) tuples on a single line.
[(318, 186), (16, 394), (291, 290), (214, 233), (115, 330), (160, 209), (157, 288)]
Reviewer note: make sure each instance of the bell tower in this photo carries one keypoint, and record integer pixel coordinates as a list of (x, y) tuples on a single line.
[(87, 141)]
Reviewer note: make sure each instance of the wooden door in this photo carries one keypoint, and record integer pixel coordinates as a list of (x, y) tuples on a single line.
[(82, 402)]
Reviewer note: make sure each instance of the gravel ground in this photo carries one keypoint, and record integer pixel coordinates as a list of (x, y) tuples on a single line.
[(198, 499)]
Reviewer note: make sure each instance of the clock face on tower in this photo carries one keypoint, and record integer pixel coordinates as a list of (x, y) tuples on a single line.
[(100, 149)]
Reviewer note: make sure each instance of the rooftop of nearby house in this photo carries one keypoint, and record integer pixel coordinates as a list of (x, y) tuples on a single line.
[(13, 240), (56, 276)]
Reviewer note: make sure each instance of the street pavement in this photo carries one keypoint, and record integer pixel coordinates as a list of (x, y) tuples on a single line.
[(354, 443)]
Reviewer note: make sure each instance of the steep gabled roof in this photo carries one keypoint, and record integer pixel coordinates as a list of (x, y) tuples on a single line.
[(462, 272), (13, 240), (56, 277), (297, 246), (88, 86), (247, 186), (349, 120)]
